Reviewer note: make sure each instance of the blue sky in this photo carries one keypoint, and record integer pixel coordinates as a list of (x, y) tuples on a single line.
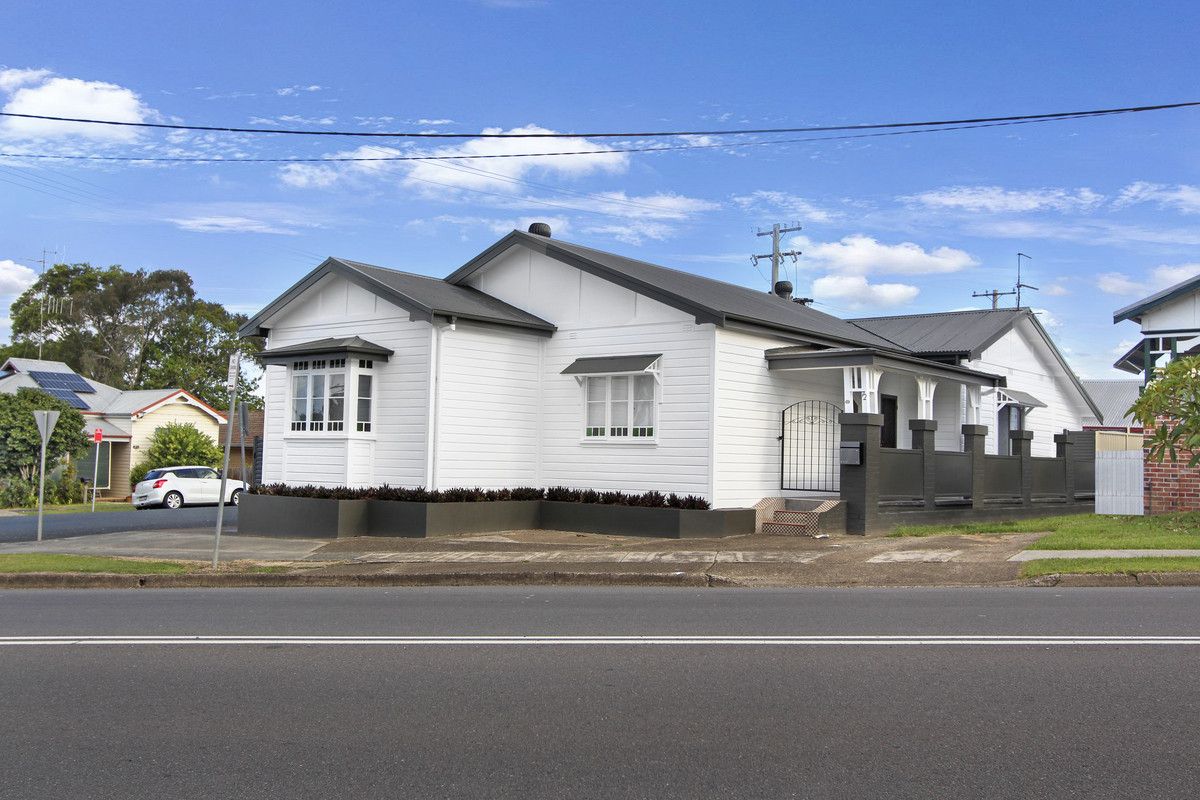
[(1108, 208)]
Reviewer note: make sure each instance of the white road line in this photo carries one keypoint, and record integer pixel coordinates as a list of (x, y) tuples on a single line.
[(607, 640)]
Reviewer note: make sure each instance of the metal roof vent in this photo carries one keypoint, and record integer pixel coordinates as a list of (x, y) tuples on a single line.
[(784, 289), (540, 229)]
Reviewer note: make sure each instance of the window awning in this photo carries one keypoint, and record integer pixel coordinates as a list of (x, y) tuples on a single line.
[(608, 365), (1017, 397), (348, 346)]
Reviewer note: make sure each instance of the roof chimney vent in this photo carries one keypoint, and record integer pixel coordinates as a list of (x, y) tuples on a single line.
[(540, 229), (784, 289)]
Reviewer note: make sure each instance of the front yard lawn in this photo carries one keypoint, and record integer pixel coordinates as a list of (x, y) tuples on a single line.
[(1108, 566), (52, 562), (77, 508), (1086, 531)]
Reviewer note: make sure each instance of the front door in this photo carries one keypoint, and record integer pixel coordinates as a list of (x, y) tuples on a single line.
[(888, 407)]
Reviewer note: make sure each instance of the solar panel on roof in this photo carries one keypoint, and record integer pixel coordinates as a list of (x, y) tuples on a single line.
[(68, 397), (61, 380)]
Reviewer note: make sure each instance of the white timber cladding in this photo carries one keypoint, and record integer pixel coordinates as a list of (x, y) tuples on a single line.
[(750, 400), (487, 429), (1182, 313), (598, 318), (1023, 358), (393, 452), (174, 410)]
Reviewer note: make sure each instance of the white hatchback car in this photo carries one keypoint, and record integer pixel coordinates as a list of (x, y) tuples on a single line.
[(174, 487)]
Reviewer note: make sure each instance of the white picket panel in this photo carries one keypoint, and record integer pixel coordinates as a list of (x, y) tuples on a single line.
[(1119, 482)]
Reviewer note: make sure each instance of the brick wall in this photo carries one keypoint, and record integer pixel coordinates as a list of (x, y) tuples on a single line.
[(1171, 486)]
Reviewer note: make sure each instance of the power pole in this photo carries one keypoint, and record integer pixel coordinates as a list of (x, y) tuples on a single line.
[(995, 294), (775, 255)]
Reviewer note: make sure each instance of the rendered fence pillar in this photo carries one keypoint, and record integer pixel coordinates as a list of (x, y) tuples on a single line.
[(923, 433), (1021, 444), (1064, 446), (860, 482), (975, 443)]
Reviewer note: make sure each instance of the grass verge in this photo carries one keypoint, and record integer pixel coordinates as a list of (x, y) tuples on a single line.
[(1086, 531), (1108, 566), (76, 508), (52, 562)]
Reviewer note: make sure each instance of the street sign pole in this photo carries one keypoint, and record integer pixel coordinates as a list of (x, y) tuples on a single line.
[(234, 361), (46, 420), (98, 438)]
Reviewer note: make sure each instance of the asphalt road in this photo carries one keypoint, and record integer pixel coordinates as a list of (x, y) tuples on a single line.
[(59, 526), (602, 719)]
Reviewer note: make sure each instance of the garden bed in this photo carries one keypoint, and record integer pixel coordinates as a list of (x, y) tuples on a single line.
[(331, 518)]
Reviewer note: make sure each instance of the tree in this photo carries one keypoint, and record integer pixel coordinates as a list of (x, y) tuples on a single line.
[(1171, 406), (133, 330), (178, 444), (20, 443)]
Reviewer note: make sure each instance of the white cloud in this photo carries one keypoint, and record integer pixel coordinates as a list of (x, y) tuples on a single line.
[(1055, 290), (859, 254), (1165, 275), (15, 278), (288, 91), (36, 92), (1123, 347), (13, 79), (1160, 277), (997, 199), (227, 217), (789, 205), (496, 225), (1118, 283), (293, 119), (497, 173), (435, 122), (1181, 197), (855, 292), (1047, 318)]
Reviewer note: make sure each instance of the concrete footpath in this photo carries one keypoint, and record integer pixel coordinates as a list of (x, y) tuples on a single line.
[(557, 557)]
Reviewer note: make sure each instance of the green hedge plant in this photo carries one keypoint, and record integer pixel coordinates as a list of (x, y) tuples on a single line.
[(562, 494)]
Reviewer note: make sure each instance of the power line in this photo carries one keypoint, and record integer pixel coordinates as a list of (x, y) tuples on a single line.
[(605, 134), (477, 156)]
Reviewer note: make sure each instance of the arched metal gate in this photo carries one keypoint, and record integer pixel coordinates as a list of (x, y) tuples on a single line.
[(810, 437)]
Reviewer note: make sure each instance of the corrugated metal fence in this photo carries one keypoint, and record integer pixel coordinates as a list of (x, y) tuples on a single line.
[(1119, 461)]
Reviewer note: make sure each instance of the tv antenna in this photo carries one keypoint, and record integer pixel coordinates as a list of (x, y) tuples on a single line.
[(775, 255), (996, 294), (48, 305)]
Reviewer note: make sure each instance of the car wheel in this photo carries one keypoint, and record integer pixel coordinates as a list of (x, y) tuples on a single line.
[(236, 497), (173, 500)]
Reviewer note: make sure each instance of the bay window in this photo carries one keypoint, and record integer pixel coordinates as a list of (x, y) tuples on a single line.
[(319, 395)]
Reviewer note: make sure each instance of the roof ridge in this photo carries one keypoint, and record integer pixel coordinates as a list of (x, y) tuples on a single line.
[(355, 264), (939, 313)]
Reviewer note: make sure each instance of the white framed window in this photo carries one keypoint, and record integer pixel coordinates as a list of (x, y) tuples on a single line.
[(620, 407), (319, 395), (363, 405)]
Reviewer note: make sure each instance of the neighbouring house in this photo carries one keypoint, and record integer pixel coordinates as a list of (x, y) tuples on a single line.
[(1113, 397), (1170, 327), (127, 418), (545, 363)]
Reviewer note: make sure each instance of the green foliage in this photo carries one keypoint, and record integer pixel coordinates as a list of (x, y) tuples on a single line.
[(66, 489), (650, 499), (18, 492), (133, 330), (1174, 394), (177, 444), (20, 444)]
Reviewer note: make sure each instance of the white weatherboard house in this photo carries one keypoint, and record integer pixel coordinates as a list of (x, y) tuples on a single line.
[(544, 363)]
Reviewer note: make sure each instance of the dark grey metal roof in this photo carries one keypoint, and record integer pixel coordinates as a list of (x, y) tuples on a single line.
[(789, 358), (1135, 310), (347, 344), (1113, 397), (600, 365), (423, 297), (953, 333), (708, 299)]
